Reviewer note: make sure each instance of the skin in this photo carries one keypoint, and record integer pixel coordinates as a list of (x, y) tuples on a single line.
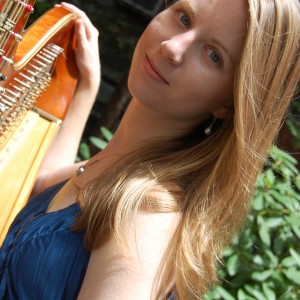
[(195, 82)]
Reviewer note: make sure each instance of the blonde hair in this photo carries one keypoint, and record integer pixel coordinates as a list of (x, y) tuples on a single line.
[(214, 176)]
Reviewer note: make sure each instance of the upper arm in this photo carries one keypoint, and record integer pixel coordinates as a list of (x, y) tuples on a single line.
[(47, 179), (111, 275)]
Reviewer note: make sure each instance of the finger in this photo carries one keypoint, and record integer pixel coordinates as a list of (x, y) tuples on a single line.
[(91, 30), (81, 34), (73, 8), (79, 13)]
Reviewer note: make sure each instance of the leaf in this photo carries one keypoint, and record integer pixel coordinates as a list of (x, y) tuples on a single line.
[(260, 181), (293, 275), (228, 251), (279, 244), (258, 260), (273, 258), (269, 293), (277, 278), (99, 143), (261, 276), (297, 181), (294, 221), (274, 222), (295, 255), (233, 265), (296, 230), (291, 166), (222, 292), (106, 133), (258, 202), (286, 295), (288, 202), (243, 296), (279, 197), (221, 273), (209, 295), (246, 241), (288, 262), (286, 173), (284, 156), (241, 279), (269, 199), (263, 231), (84, 151), (254, 292), (293, 129), (269, 178), (292, 203)]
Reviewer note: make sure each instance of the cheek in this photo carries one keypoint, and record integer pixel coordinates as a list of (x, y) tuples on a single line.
[(157, 31), (135, 63), (206, 85), (207, 93)]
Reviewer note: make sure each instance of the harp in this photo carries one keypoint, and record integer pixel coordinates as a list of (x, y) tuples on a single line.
[(38, 76)]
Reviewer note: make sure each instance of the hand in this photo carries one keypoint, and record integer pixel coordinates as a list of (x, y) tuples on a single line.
[(87, 49)]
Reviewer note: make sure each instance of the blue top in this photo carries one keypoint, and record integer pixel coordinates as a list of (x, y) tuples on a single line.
[(41, 257)]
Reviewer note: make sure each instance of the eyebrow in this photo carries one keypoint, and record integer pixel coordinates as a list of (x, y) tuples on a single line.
[(219, 43), (190, 6)]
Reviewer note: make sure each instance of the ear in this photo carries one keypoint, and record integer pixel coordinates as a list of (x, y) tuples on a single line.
[(225, 111)]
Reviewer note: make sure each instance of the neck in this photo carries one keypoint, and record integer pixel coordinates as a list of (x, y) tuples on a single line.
[(140, 125)]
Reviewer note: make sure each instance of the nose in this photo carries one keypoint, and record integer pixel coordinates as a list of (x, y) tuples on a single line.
[(175, 48)]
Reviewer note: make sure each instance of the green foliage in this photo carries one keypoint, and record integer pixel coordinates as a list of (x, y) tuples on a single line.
[(264, 263), (293, 121), (84, 152), (101, 143)]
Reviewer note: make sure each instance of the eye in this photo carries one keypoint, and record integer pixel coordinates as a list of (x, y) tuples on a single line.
[(214, 56), (184, 19)]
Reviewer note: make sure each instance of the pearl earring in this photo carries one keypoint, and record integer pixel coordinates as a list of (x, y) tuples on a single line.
[(208, 130)]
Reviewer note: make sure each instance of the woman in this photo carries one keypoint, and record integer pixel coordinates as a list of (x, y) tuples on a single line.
[(210, 81)]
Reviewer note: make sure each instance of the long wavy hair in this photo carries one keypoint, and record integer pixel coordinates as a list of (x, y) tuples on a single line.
[(214, 176)]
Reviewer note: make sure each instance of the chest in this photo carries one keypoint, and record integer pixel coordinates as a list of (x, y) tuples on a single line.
[(66, 196)]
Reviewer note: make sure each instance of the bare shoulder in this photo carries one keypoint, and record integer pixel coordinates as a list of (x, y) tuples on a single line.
[(113, 275), (151, 234)]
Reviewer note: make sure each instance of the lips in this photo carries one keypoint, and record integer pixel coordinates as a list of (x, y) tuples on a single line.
[(153, 72)]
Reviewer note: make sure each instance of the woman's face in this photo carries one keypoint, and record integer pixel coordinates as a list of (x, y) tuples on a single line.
[(183, 65)]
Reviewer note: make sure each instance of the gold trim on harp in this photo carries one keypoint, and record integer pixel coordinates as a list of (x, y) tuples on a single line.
[(42, 41)]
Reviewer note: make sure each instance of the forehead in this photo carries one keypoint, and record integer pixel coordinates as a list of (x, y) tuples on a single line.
[(232, 10)]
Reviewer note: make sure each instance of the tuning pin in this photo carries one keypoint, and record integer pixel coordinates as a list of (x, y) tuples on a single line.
[(29, 8), (3, 77), (17, 36), (7, 59)]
